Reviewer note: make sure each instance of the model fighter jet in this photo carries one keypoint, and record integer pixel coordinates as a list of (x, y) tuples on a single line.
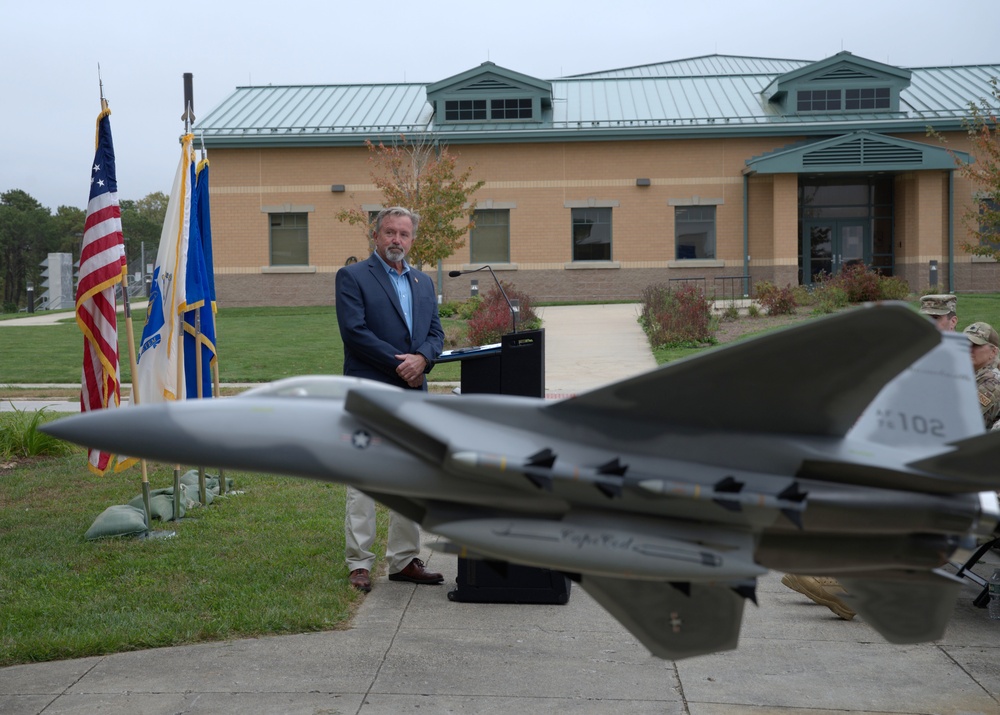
[(850, 445)]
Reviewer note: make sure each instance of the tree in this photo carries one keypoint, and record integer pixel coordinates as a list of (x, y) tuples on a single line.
[(983, 219), (67, 228), (26, 237), (421, 176), (142, 222)]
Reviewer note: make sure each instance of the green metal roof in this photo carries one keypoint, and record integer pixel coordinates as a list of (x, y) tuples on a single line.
[(717, 95)]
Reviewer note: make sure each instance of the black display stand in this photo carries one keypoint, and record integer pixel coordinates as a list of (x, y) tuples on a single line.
[(515, 366), (499, 582)]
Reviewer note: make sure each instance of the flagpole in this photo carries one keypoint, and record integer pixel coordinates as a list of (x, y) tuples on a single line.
[(216, 383), (202, 487), (188, 117), (132, 362), (133, 369), (181, 389)]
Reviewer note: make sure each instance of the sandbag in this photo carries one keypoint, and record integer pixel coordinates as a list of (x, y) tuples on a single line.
[(118, 520)]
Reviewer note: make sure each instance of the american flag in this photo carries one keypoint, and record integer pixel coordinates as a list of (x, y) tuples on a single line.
[(102, 267)]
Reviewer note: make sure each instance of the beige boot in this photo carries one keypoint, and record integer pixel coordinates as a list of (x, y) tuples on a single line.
[(820, 589)]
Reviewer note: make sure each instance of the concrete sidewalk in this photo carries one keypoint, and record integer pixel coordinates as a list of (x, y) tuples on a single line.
[(410, 649)]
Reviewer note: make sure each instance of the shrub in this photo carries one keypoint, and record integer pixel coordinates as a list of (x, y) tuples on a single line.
[(20, 437), (447, 309), (894, 288), (731, 312), (803, 295), (776, 301), (491, 318), (829, 298), (676, 318), (859, 284), (454, 336), (753, 311), (468, 308)]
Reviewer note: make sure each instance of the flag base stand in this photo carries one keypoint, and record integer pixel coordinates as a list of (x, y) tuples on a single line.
[(177, 494), (145, 502), (157, 535)]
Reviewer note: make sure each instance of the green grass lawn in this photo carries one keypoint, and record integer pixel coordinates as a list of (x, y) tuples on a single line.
[(254, 344), (267, 560)]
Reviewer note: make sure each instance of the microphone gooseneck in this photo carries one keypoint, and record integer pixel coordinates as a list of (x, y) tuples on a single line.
[(513, 313)]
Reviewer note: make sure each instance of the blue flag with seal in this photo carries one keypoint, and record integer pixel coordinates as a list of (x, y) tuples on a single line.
[(199, 319)]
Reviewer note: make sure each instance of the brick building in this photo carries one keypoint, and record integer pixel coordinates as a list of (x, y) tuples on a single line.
[(721, 169)]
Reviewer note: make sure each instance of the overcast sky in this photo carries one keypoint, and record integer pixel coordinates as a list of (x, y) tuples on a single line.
[(50, 51)]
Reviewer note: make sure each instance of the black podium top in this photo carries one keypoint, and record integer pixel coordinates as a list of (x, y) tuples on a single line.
[(467, 353)]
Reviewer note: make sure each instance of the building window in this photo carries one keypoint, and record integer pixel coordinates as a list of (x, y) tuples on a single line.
[(489, 241), (591, 234), (479, 110), (818, 100), (694, 232), (989, 223), (869, 98), (464, 110), (289, 239), (510, 108)]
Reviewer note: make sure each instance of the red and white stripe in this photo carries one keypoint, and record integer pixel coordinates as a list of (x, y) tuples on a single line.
[(102, 267)]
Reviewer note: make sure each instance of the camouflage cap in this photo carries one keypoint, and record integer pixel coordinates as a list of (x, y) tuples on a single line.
[(939, 304), (981, 334)]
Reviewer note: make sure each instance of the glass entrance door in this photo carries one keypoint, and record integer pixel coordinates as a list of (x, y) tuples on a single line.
[(829, 246)]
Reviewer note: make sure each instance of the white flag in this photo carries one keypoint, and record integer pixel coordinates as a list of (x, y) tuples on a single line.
[(159, 352)]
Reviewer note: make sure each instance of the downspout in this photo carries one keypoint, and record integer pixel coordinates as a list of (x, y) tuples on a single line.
[(746, 236), (951, 231)]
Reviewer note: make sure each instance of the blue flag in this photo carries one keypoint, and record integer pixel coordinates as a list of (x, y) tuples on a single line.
[(199, 318)]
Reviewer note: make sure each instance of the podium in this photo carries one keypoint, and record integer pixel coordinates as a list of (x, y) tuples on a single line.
[(514, 366)]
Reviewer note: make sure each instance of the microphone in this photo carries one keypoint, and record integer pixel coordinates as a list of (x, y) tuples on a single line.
[(513, 313)]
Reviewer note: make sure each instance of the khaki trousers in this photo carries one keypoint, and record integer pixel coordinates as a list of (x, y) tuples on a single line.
[(402, 545)]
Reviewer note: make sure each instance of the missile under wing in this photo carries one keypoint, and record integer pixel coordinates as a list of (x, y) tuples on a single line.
[(850, 445)]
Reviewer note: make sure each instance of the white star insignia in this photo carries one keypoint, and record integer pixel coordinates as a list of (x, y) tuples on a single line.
[(361, 439), (100, 182), (97, 167)]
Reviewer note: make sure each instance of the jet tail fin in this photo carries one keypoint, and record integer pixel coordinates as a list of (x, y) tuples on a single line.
[(932, 402)]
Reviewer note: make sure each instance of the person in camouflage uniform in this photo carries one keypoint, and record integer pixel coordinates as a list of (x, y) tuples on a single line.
[(940, 308), (984, 346)]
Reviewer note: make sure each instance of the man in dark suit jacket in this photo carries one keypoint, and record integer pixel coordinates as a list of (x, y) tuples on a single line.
[(389, 323)]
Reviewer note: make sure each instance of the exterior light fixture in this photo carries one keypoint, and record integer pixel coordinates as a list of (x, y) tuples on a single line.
[(642, 182)]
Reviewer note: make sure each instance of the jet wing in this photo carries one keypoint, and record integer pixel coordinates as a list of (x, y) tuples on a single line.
[(815, 379), (673, 622)]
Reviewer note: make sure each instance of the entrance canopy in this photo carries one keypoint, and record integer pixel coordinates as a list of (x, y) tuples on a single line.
[(855, 152)]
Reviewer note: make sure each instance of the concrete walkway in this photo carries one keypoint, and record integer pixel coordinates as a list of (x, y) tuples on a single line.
[(411, 650), (587, 346)]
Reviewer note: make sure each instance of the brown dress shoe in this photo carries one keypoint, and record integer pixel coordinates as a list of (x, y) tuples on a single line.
[(416, 573), (361, 580)]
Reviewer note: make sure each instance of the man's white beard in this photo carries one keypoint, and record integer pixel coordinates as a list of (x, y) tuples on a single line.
[(395, 254)]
